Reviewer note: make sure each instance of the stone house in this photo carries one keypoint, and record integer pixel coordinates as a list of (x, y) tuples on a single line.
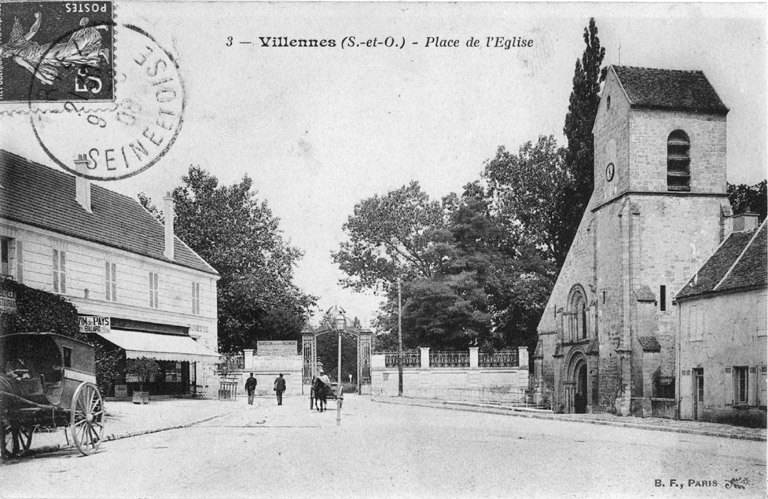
[(722, 314), (132, 281), (658, 210)]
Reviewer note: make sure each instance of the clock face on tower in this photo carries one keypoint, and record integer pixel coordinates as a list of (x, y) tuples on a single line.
[(609, 171)]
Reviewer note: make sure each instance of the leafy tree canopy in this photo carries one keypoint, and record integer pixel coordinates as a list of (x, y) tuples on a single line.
[(745, 197), (238, 236), (398, 235)]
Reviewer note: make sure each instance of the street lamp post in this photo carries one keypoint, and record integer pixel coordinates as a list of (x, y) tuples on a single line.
[(341, 323), (399, 341)]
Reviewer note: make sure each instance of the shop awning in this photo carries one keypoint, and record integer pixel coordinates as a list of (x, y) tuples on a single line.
[(160, 346)]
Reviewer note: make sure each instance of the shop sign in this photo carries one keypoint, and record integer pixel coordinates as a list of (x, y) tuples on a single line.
[(121, 391), (276, 348), (94, 324), (7, 300)]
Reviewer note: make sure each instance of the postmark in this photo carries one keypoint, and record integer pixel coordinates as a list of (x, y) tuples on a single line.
[(56, 51), (134, 132)]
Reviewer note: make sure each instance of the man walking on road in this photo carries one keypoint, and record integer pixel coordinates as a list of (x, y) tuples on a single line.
[(250, 387), (279, 389)]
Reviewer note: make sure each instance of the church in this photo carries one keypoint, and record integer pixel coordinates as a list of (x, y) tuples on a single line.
[(608, 335)]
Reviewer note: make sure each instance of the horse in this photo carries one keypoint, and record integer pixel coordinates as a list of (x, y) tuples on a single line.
[(319, 392)]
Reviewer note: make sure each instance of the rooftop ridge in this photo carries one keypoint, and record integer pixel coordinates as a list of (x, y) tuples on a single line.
[(741, 255)]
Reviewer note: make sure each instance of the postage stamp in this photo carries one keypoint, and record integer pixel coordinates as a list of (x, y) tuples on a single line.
[(115, 141), (56, 51)]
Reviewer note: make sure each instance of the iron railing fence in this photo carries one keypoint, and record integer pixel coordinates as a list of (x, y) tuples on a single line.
[(411, 358), (448, 359), (501, 359)]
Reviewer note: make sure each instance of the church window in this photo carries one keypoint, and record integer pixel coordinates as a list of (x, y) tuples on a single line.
[(678, 161), (577, 315), (663, 298)]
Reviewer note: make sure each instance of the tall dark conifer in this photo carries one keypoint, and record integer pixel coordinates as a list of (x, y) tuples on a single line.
[(582, 110)]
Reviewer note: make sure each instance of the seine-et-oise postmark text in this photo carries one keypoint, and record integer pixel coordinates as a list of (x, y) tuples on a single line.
[(105, 101)]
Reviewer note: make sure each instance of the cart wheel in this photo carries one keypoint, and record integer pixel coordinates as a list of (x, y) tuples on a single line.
[(6, 432), (87, 424), (23, 435)]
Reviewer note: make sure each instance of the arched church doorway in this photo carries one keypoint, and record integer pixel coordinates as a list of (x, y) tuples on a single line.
[(577, 393), (580, 402)]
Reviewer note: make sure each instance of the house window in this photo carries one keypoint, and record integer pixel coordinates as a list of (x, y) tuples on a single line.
[(11, 258), (111, 281), (153, 287), (5, 256), (196, 298), (741, 385), (59, 271), (678, 161)]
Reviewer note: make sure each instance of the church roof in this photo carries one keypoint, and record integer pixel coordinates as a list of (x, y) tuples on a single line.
[(740, 263), (37, 195), (667, 89)]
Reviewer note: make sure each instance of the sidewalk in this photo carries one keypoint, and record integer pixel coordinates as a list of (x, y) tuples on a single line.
[(655, 424), (126, 419)]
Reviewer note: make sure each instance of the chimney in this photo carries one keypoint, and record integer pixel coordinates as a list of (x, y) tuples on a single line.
[(168, 213), (745, 222), (82, 184)]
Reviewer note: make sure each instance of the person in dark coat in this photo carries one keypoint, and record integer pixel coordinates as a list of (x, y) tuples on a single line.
[(279, 389), (250, 387)]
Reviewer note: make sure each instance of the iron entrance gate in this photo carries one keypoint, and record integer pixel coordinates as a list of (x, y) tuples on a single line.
[(309, 354)]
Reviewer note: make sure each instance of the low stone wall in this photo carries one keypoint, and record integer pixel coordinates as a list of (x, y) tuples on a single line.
[(265, 369), (471, 383)]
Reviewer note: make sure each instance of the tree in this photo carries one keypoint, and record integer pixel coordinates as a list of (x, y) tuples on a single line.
[(582, 110), (745, 197), (530, 197), (238, 236), (398, 235), (486, 291)]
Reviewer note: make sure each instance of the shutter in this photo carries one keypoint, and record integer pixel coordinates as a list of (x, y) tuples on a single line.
[(19, 262), (753, 386), (56, 271), (114, 282), (63, 272), (728, 386), (763, 388), (107, 287)]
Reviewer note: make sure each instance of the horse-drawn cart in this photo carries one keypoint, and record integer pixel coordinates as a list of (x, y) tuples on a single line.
[(48, 381)]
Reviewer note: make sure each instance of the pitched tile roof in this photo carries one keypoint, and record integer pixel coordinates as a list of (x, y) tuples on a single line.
[(37, 195), (741, 262), (668, 89)]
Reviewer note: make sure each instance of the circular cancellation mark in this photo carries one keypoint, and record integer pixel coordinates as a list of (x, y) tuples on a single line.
[(115, 140)]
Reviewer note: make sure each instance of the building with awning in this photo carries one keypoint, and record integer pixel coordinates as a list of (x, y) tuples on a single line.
[(138, 288), (177, 348)]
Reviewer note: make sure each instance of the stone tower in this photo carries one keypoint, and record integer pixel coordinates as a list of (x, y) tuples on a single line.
[(658, 210)]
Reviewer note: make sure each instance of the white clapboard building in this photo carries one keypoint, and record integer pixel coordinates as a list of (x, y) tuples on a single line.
[(133, 282)]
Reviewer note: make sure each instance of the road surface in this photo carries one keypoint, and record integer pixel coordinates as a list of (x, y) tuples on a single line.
[(384, 450)]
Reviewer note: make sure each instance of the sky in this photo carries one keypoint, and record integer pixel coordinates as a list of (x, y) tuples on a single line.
[(320, 129)]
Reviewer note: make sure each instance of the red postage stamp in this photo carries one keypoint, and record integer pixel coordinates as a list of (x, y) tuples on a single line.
[(56, 51)]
